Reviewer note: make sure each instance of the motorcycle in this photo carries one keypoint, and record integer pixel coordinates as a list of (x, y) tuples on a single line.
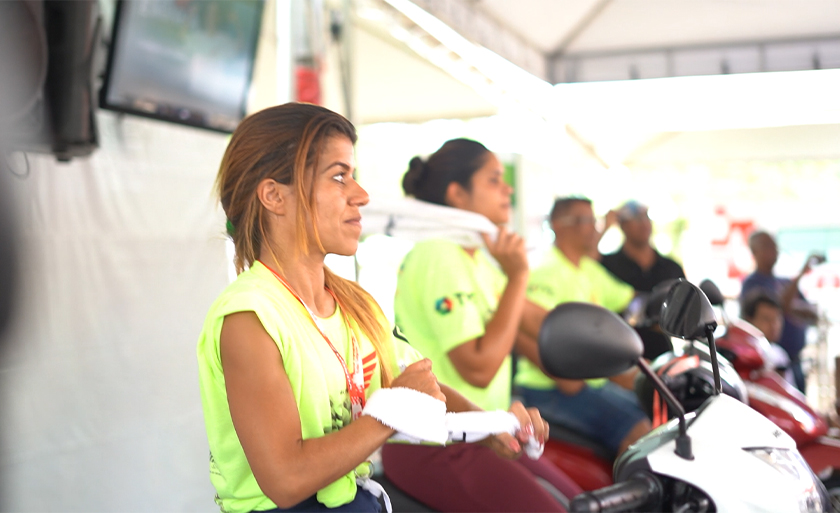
[(724, 456), (583, 459), (772, 396), (750, 376)]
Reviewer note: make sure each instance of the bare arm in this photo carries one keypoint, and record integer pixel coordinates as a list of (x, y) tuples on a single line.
[(611, 219), (287, 468), (478, 360), (791, 304), (789, 293), (455, 402), (533, 316), (503, 444)]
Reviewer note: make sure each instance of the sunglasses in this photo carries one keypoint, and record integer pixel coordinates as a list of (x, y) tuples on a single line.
[(577, 220)]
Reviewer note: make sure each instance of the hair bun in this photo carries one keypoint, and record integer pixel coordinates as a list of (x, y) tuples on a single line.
[(412, 177)]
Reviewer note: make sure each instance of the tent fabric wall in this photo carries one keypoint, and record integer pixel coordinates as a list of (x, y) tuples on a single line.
[(121, 255)]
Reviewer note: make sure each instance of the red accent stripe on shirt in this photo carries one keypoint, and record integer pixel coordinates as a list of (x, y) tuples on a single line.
[(369, 363)]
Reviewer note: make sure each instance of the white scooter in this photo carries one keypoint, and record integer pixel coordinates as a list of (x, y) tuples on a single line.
[(723, 457)]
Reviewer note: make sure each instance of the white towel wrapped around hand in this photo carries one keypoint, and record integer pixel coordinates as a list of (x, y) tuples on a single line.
[(419, 417), (416, 416)]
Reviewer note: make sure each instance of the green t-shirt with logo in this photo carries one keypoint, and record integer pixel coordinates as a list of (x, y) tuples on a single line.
[(558, 281), (444, 298), (315, 374)]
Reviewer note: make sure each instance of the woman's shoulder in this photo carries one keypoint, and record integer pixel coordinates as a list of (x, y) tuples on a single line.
[(250, 290)]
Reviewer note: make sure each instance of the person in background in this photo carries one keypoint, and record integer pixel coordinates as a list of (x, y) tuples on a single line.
[(463, 312), (765, 313), (798, 313), (298, 369), (639, 264), (600, 409)]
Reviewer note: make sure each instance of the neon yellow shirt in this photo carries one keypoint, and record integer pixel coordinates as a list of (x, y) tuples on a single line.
[(313, 370), (444, 298), (558, 281)]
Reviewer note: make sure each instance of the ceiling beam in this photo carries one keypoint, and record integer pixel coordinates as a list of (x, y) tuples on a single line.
[(707, 59), (584, 23), (469, 20)]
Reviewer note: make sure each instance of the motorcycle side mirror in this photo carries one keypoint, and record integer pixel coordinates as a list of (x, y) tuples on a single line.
[(656, 298), (686, 312), (712, 292), (584, 341)]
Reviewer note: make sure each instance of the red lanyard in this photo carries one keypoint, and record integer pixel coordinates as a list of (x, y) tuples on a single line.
[(356, 385)]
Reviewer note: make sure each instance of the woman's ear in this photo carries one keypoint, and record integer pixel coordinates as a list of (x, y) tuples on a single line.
[(456, 196), (273, 195)]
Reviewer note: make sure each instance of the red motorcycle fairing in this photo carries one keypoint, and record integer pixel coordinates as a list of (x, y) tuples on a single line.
[(588, 470), (822, 455), (785, 406), (743, 341)]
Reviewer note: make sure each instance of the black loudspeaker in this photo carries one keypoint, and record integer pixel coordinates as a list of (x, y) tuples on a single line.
[(47, 57)]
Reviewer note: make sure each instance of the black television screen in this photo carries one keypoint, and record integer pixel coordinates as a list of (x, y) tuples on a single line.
[(183, 61)]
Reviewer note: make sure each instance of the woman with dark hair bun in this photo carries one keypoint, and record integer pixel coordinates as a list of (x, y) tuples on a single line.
[(300, 374), (455, 162), (457, 308)]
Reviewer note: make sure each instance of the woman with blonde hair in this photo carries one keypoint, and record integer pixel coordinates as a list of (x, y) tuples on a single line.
[(292, 357)]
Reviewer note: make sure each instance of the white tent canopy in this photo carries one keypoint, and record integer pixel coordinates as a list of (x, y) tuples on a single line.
[(614, 122), (581, 40)]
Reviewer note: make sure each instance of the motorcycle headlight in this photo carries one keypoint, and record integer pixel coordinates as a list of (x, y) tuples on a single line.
[(812, 497)]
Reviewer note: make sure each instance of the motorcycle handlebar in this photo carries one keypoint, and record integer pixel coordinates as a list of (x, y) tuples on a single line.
[(634, 493)]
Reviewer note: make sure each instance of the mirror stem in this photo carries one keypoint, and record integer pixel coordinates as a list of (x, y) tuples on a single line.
[(710, 336), (683, 440)]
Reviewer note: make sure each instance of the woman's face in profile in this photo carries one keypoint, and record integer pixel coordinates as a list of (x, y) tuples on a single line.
[(490, 194), (338, 198)]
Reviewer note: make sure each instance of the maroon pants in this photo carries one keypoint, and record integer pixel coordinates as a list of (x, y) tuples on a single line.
[(471, 477)]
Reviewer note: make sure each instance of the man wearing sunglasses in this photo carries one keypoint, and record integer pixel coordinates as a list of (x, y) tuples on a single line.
[(600, 409)]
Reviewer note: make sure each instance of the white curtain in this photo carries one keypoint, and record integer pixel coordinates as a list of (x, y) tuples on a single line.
[(121, 255)]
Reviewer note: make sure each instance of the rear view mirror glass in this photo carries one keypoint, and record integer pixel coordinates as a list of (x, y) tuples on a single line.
[(686, 312)]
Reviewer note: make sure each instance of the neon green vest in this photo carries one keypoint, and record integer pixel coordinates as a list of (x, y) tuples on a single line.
[(314, 372), (558, 281), (444, 298)]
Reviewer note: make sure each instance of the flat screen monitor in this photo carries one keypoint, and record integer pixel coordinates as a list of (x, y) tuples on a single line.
[(182, 61)]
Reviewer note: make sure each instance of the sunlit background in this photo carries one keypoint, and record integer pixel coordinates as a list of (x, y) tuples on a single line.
[(721, 116)]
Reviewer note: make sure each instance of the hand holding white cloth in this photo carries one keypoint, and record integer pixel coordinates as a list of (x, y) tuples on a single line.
[(418, 417)]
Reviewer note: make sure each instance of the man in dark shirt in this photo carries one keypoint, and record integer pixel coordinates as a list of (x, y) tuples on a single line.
[(639, 264), (798, 313)]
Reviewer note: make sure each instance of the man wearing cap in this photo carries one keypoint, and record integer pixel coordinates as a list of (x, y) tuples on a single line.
[(638, 263)]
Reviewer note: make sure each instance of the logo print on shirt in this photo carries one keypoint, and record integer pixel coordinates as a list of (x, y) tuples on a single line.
[(443, 305), (369, 365)]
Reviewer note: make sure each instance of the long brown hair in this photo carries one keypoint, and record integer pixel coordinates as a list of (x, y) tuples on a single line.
[(283, 143)]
